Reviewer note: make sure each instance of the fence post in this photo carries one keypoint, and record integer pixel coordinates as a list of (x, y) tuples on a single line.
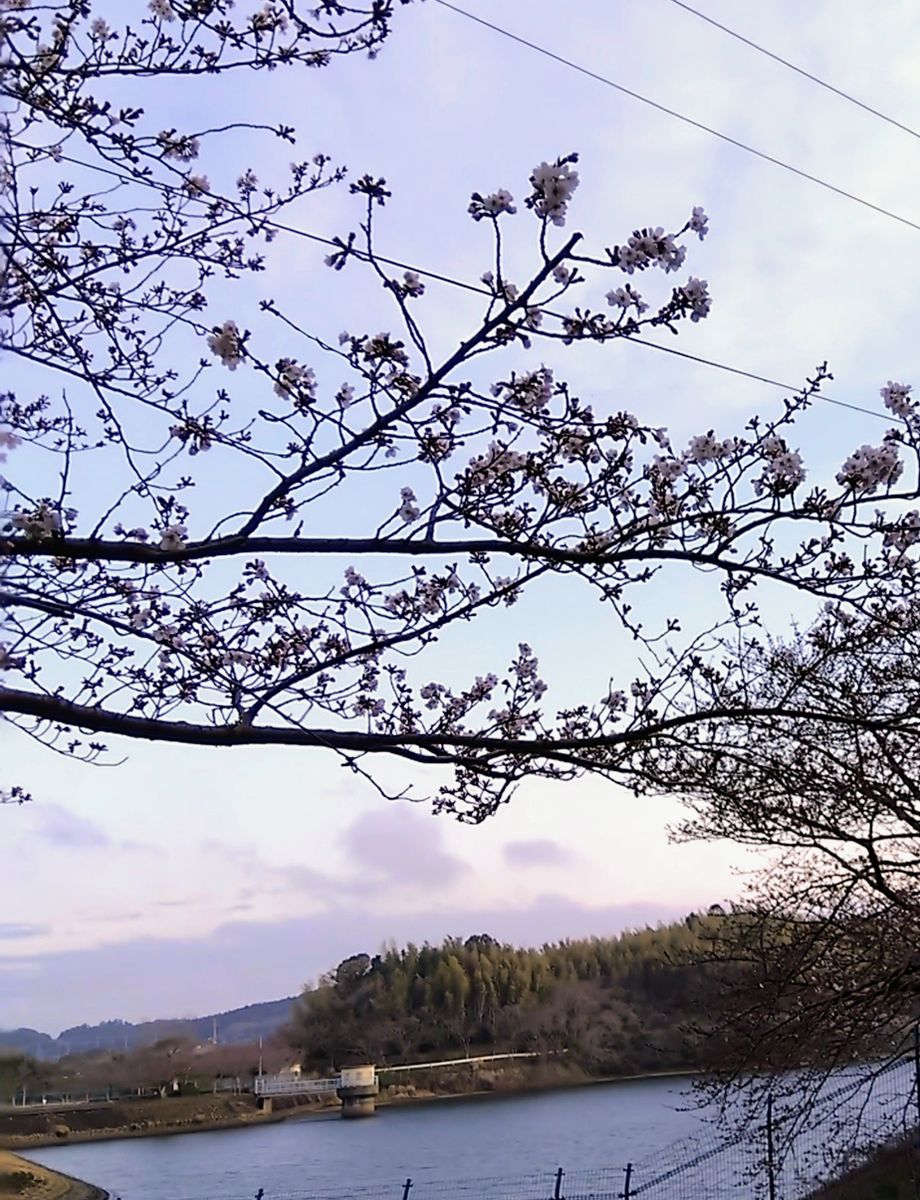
[(557, 1189), (407, 1188), (627, 1187), (917, 1069), (771, 1164)]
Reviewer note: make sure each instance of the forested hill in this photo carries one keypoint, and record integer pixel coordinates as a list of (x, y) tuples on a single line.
[(617, 1005)]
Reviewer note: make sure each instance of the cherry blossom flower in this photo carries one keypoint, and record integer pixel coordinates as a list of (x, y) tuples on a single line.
[(897, 399), (697, 295), (173, 537), (295, 380), (226, 343), (905, 534), (178, 146), (784, 470), (8, 441), (699, 223), (43, 521), (408, 509), (412, 284), (162, 9), (553, 186), (492, 205), (706, 447), (345, 396), (871, 467), (626, 298)]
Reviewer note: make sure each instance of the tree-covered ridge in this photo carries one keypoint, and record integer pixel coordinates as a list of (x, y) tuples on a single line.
[(614, 1004)]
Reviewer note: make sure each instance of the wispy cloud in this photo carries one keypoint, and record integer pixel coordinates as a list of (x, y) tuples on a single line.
[(59, 826), (404, 847), (11, 931), (540, 852)]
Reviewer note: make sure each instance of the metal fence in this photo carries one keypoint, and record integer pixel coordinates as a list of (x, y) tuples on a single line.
[(782, 1152)]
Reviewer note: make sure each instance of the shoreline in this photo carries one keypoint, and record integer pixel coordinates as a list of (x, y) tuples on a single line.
[(312, 1111), (26, 1180)]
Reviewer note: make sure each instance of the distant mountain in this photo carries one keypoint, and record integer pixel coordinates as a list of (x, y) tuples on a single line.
[(235, 1026)]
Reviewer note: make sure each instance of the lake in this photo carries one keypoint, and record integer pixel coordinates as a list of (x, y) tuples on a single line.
[(503, 1146)]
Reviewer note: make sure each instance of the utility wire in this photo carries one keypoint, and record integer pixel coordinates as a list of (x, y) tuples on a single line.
[(724, 137), (798, 70), (451, 281)]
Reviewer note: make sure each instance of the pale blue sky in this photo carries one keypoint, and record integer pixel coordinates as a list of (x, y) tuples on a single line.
[(186, 879)]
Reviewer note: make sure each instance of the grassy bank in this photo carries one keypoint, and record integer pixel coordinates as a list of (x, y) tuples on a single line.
[(21, 1180), (138, 1118), (894, 1174)]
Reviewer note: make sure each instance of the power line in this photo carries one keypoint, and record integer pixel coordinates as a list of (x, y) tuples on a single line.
[(452, 281), (678, 116), (798, 70)]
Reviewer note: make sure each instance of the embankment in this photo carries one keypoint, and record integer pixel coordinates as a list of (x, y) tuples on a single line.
[(198, 1113), (21, 1180), (140, 1118)]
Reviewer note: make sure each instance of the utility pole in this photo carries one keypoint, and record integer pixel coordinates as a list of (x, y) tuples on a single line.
[(260, 1056)]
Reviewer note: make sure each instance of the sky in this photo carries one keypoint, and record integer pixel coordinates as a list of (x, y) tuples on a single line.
[(184, 880)]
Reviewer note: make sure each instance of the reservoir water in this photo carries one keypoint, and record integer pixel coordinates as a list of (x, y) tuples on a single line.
[(462, 1149), (444, 1141)]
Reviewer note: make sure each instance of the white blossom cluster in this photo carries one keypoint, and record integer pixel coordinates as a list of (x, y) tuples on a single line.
[(43, 521), (345, 396), (698, 223), (494, 463), (197, 185), (408, 509), (269, 19), (553, 186), (492, 205), (162, 9), (871, 467), (295, 380), (530, 392), (226, 343), (381, 347), (905, 534), (177, 145), (626, 297), (197, 435), (174, 537), (430, 597), (666, 468), (784, 467), (412, 285), (8, 441), (897, 399), (706, 447), (650, 248), (696, 293)]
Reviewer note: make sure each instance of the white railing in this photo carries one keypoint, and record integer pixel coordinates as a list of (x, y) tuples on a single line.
[(459, 1062), (287, 1085)]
